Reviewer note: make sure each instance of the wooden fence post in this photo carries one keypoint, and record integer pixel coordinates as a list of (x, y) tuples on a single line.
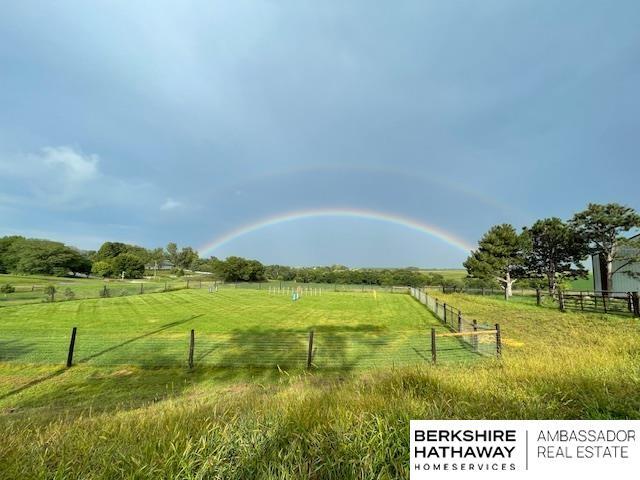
[(538, 297), (141, 288), (187, 283), (459, 321), (433, 345), (636, 304), (72, 345), (581, 301), (192, 344), (604, 302), (436, 307), (561, 300), (498, 340), (444, 306), (310, 350)]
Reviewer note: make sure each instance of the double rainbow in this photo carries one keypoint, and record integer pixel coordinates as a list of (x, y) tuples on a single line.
[(422, 227)]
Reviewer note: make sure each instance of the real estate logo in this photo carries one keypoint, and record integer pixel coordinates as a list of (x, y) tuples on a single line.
[(523, 448)]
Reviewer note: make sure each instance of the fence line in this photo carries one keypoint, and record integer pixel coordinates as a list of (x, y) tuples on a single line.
[(481, 338), (584, 300), (179, 345)]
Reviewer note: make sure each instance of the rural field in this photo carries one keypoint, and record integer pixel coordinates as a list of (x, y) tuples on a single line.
[(130, 406)]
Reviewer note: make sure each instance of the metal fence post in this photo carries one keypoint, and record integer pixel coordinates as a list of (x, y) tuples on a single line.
[(310, 350), (72, 345), (192, 344), (475, 336), (459, 321), (433, 345), (498, 340)]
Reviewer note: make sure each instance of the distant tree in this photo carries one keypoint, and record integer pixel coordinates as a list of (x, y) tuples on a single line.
[(50, 291), (156, 256), (44, 257), (102, 268), (186, 258), (602, 228), (172, 253), (238, 269), (130, 264), (554, 252), (9, 257), (109, 250), (500, 256)]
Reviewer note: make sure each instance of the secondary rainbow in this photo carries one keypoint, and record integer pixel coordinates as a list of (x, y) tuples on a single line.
[(270, 221)]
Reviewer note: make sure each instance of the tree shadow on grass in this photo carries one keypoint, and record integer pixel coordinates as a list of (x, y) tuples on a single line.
[(11, 350), (334, 347), (153, 358), (117, 388)]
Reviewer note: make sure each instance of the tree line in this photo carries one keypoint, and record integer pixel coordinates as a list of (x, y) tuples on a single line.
[(120, 260), (552, 250)]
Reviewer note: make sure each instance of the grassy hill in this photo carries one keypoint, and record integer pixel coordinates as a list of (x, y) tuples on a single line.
[(140, 421)]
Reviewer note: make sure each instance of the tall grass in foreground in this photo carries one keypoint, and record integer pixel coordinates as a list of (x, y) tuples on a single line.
[(320, 425)]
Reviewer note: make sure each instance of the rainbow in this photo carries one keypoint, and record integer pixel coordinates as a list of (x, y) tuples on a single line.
[(394, 219)]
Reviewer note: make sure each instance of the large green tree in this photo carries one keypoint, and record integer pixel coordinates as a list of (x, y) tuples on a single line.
[(238, 269), (129, 264), (603, 227), (185, 258), (554, 251), (500, 256), (43, 257)]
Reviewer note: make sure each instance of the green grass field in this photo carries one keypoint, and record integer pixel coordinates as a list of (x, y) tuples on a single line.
[(30, 288), (233, 327), (103, 419)]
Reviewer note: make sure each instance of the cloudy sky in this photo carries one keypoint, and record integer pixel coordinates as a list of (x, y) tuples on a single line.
[(150, 122)]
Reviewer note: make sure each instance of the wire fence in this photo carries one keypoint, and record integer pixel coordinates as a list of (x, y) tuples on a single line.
[(330, 347), (94, 288), (320, 349), (463, 333)]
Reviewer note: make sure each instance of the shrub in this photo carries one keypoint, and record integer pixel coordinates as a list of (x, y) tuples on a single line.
[(50, 291), (7, 288), (68, 294)]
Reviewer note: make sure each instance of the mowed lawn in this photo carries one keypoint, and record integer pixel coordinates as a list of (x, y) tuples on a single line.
[(233, 328), (30, 289)]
